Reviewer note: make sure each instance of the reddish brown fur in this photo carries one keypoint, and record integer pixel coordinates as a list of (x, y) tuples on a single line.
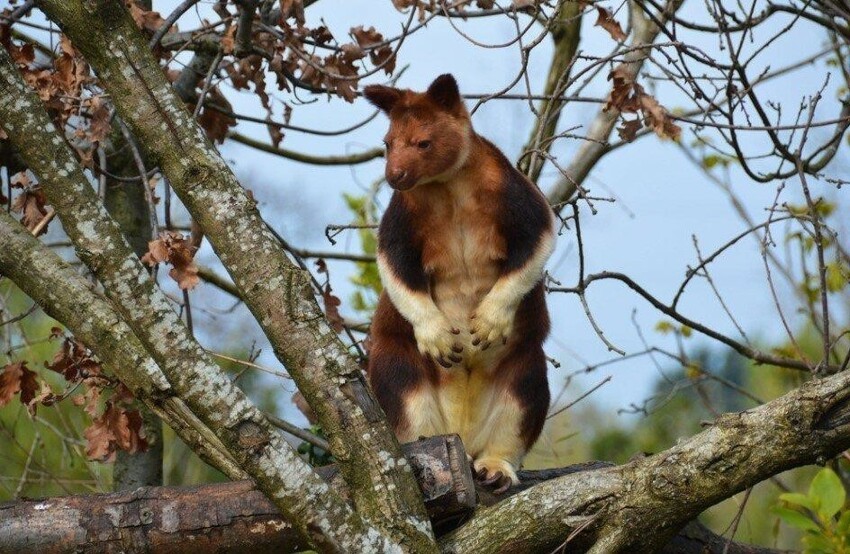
[(463, 218)]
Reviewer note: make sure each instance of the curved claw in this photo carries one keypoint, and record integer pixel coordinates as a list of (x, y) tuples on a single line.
[(495, 478), (504, 484)]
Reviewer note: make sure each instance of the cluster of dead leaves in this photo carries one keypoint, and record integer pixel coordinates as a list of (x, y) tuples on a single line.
[(171, 247), (73, 360), (30, 202), (338, 71), (627, 96), (149, 21), (118, 428), (58, 81), (115, 427)]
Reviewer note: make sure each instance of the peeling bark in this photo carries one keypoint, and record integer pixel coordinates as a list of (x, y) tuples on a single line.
[(278, 293)]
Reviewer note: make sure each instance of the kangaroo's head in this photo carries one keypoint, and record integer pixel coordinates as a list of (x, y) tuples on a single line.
[(430, 132)]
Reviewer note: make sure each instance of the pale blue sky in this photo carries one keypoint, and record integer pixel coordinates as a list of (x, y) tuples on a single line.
[(662, 200)]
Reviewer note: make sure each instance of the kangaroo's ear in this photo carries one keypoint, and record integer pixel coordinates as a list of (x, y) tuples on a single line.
[(382, 96), (444, 92)]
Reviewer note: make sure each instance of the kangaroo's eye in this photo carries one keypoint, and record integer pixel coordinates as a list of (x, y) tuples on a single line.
[(386, 144), (424, 144)]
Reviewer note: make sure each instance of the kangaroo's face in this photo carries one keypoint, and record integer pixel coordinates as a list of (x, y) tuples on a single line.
[(429, 133)]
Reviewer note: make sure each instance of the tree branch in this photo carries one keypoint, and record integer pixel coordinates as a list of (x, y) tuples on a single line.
[(596, 145), (61, 292), (195, 377), (177, 518), (639, 506), (566, 33), (278, 293), (347, 159)]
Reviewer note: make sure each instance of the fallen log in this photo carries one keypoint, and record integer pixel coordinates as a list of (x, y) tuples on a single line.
[(236, 518)]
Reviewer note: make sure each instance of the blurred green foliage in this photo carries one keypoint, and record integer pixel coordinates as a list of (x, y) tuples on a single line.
[(366, 278)]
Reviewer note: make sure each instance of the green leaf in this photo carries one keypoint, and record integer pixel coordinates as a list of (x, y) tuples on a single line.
[(843, 526), (837, 277), (796, 519), (798, 499), (664, 327), (827, 487), (686, 331), (817, 543)]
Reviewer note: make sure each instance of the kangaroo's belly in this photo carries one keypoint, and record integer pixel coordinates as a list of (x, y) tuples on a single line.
[(457, 294)]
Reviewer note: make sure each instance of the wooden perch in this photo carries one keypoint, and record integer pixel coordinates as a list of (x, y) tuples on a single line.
[(235, 517)]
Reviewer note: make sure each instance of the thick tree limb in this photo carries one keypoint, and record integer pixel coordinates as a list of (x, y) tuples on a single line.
[(639, 506), (179, 519), (278, 293), (225, 517), (195, 377)]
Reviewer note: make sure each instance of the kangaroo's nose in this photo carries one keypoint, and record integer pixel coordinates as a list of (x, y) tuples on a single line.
[(396, 175)]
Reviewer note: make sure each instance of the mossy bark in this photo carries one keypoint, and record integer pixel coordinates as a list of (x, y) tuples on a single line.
[(126, 202), (259, 449), (639, 506), (278, 293)]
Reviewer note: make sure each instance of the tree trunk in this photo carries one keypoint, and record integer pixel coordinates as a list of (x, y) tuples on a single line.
[(127, 203)]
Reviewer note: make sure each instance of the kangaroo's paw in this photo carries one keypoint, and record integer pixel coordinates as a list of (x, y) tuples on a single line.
[(491, 323), (438, 339), (495, 473)]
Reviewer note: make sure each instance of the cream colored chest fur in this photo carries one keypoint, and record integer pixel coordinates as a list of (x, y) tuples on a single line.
[(461, 253)]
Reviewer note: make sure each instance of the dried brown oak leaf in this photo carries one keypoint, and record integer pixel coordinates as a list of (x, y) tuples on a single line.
[(17, 378), (228, 40), (629, 97), (215, 123), (606, 21), (292, 8), (99, 124), (628, 131), (655, 116), (30, 203), (149, 21), (621, 97), (331, 301), (172, 248), (117, 428), (383, 55), (73, 360)]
